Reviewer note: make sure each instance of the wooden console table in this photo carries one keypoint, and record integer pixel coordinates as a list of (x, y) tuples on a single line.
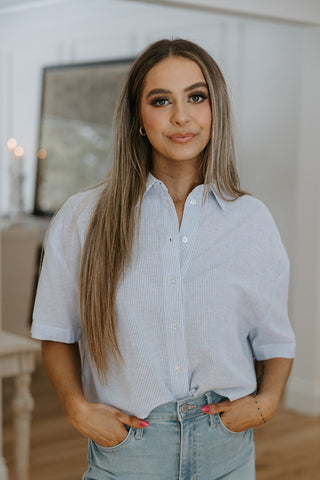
[(17, 359), (20, 238), (20, 246)]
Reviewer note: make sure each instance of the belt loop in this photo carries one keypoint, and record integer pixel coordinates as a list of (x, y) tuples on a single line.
[(209, 400), (138, 433), (209, 397)]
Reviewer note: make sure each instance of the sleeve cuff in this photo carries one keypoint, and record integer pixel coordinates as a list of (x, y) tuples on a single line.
[(44, 332), (264, 352)]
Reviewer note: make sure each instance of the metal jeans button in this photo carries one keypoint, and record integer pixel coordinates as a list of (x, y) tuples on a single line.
[(184, 408)]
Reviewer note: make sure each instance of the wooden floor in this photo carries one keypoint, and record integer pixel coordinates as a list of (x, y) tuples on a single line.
[(287, 448)]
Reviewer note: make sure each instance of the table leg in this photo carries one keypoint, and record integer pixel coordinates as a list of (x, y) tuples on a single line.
[(3, 469), (22, 406), (3, 466)]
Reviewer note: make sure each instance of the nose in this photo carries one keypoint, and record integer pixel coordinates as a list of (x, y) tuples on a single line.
[(179, 115)]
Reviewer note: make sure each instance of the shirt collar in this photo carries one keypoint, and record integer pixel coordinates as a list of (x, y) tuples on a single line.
[(220, 201), (151, 181)]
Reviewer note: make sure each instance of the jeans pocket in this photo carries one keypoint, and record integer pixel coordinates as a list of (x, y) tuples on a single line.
[(120, 445), (227, 430)]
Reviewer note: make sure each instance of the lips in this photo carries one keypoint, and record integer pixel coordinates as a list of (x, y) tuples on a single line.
[(182, 137)]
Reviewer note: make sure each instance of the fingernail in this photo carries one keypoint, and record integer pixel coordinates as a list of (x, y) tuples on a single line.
[(144, 423), (206, 408)]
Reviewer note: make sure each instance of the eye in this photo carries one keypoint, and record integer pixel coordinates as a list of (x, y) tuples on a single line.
[(159, 102), (198, 97)]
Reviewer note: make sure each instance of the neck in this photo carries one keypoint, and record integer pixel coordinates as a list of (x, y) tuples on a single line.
[(179, 179)]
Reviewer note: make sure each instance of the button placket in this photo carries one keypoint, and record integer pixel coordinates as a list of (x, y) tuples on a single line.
[(189, 227), (187, 235), (173, 305)]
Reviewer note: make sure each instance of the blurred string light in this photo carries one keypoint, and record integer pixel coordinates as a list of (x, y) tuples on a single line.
[(19, 152), (12, 144), (42, 154), (14, 148)]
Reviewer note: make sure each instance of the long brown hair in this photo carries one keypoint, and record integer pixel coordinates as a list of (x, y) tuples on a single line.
[(109, 239)]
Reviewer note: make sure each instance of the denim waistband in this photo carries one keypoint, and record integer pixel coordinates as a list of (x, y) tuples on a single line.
[(187, 407)]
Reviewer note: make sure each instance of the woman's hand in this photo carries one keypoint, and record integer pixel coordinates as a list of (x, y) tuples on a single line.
[(243, 414), (102, 423), (249, 411)]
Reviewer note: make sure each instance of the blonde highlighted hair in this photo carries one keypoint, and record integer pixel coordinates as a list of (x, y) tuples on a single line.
[(109, 239)]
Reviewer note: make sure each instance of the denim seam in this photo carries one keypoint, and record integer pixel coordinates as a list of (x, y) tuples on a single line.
[(226, 429), (195, 450), (128, 439), (162, 420)]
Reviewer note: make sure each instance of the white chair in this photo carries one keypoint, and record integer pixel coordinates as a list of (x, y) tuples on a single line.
[(18, 250)]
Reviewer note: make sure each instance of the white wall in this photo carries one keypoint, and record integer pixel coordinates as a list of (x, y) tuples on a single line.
[(304, 387), (262, 62), (291, 10)]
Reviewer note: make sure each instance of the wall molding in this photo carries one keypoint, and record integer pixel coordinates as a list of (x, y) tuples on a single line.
[(6, 122), (300, 11), (3, 119), (13, 6)]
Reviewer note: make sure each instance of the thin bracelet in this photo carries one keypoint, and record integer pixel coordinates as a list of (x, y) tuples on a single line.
[(259, 410)]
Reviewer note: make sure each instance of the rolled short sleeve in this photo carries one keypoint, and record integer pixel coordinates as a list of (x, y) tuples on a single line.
[(56, 313), (273, 335)]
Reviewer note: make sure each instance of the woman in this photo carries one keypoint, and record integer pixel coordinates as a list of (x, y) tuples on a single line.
[(162, 302)]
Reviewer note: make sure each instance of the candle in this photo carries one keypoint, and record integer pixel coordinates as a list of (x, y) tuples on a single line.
[(16, 197)]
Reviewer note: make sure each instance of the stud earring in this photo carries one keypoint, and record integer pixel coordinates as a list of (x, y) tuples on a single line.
[(142, 131)]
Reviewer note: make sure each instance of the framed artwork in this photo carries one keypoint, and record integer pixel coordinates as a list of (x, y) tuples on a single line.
[(75, 132)]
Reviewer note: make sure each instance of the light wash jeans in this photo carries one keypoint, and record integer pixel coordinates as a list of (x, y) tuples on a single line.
[(182, 443)]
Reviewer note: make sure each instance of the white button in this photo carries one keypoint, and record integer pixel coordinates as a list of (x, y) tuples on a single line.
[(173, 281), (174, 324), (184, 239), (193, 201), (178, 367)]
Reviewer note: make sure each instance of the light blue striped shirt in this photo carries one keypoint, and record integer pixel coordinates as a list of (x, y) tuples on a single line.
[(195, 308)]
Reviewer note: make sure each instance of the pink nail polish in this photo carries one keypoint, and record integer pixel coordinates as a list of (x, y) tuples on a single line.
[(205, 409), (144, 423)]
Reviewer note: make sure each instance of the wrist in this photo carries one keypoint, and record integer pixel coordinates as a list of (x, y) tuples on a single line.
[(76, 408), (266, 405)]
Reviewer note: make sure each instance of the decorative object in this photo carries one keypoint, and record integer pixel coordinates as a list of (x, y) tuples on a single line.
[(16, 178), (75, 134)]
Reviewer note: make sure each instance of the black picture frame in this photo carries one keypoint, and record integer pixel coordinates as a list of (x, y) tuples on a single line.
[(75, 129)]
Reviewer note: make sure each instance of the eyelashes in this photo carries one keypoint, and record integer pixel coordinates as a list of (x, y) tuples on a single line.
[(196, 97), (159, 102), (200, 95)]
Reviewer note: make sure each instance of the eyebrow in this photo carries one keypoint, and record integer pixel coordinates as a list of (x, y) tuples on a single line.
[(156, 91)]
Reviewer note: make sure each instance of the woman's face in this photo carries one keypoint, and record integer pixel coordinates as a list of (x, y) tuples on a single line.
[(176, 111)]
